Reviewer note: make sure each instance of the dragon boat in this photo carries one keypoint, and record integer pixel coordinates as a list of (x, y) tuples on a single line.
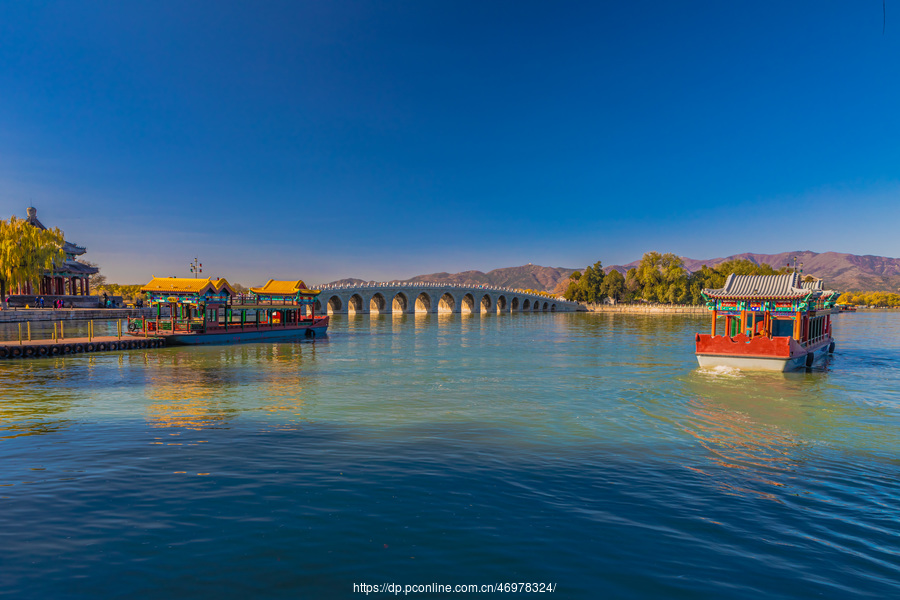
[(206, 311), (769, 322)]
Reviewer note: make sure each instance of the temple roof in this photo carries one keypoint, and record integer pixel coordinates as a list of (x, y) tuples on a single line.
[(763, 287), (32, 218), (187, 285), (68, 247), (73, 267), (283, 288)]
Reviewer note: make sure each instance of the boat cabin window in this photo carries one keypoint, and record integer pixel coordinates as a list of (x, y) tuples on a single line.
[(782, 327)]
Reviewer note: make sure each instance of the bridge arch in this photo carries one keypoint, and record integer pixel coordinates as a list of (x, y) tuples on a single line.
[(535, 305), (423, 303), (400, 303), (355, 304), (546, 306), (318, 306), (514, 304), (486, 304), (502, 304), (468, 304), (526, 304), (377, 303), (334, 304), (447, 303)]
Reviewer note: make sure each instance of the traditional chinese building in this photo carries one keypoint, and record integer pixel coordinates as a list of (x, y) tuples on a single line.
[(72, 278)]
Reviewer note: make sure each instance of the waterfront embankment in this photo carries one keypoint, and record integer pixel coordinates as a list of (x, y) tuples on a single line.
[(643, 309), (22, 315)]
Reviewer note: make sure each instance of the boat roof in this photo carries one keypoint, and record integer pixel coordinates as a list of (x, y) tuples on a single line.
[(768, 287), (284, 288), (187, 285), (815, 284)]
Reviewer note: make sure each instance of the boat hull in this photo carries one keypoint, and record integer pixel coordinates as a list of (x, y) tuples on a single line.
[(242, 336), (770, 354)]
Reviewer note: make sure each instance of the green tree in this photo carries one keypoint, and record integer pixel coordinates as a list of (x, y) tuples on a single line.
[(573, 290), (633, 289), (592, 282), (613, 286), (26, 253), (649, 277), (662, 278), (674, 287), (701, 279)]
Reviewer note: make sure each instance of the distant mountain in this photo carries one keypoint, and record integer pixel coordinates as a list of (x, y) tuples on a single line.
[(349, 281), (529, 277), (845, 272)]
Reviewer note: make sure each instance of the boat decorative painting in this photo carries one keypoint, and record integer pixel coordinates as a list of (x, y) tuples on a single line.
[(206, 311), (769, 322)]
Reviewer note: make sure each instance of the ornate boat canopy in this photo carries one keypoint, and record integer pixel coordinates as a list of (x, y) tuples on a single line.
[(768, 287), (188, 286), (284, 289)]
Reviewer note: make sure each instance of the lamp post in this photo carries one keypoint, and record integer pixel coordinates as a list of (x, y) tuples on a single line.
[(196, 267)]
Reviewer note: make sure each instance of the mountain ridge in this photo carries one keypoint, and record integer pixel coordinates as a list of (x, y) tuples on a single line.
[(840, 271)]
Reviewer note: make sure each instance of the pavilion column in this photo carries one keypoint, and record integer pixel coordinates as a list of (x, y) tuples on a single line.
[(87, 287)]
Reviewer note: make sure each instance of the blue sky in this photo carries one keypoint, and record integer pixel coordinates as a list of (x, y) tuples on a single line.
[(387, 139)]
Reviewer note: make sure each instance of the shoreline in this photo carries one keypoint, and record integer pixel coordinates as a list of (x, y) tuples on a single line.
[(22, 315), (662, 309)]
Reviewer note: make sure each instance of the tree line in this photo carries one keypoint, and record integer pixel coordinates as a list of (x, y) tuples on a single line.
[(877, 299), (658, 278)]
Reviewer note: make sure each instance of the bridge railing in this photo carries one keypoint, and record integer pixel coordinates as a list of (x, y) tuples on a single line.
[(424, 285)]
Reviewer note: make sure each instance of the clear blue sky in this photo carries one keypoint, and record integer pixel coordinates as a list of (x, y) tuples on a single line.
[(386, 139)]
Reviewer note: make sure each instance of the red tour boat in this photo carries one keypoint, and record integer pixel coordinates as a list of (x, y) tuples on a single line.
[(767, 322)]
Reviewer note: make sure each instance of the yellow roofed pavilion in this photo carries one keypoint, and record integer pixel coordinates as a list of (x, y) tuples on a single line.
[(284, 288), (187, 285)]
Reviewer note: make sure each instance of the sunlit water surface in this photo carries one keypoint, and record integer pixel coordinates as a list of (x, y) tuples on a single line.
[(584, 450)]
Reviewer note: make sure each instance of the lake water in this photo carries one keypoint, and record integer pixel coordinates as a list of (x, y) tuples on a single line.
[(586, 451)]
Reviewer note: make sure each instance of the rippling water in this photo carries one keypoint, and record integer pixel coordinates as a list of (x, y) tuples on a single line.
[(586, 450)]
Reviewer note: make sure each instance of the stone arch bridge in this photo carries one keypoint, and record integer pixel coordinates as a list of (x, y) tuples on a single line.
[(422, 297)]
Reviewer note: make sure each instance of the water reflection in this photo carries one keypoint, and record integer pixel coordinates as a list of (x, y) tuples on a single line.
[(202, 388), (756, 453), (758, 428), (35, 394)]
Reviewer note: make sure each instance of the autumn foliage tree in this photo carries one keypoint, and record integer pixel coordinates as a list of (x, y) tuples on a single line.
[(659, 278), (26, 253)]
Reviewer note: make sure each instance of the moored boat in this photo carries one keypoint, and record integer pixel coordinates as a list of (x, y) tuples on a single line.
[(769, 322), (204, 311)]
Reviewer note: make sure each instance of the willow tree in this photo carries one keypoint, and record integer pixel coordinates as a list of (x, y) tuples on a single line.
[(26, 253)]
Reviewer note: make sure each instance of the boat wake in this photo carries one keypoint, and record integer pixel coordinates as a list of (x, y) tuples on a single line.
[(721, 371)]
